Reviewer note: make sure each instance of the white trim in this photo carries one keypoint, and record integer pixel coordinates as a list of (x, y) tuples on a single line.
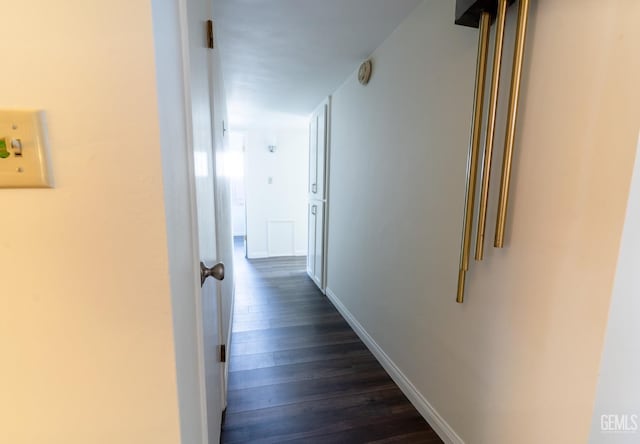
[(300, 253), (258, 255), (437, 422)]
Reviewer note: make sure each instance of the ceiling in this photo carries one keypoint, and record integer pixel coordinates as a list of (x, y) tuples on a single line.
[(280, 58)]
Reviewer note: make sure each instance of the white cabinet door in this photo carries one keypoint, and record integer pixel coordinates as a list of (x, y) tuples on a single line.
[(313, 156), (311, 251), (318, 151), (321, 153), (315, 258), (319, 248), (318, 168)]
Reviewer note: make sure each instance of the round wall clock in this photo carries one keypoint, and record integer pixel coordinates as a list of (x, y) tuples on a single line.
[(364, 73)]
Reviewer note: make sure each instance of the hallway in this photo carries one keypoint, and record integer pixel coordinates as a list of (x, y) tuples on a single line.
[(298, 373)]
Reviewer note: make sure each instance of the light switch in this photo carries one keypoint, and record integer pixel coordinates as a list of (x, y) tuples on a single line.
[(24, 150), (16, 146)]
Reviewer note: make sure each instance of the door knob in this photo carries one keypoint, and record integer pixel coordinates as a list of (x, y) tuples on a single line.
[(217, 272)]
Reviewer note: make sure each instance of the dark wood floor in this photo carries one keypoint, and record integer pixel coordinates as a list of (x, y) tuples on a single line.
[(299, 374)]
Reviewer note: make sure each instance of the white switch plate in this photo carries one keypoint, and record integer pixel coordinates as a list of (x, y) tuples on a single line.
[(31, 169)]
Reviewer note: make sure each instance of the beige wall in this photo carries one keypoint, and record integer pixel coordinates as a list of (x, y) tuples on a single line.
[(85, 317), (518, 362)]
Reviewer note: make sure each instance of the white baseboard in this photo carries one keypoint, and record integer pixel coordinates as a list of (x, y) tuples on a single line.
[(301, 252), (442, 428)]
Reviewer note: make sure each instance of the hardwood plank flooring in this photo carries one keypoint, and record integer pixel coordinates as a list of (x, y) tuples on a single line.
[(299, 374)]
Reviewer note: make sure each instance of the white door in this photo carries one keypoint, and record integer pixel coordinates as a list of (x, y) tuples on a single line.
[(313, 157), (200, 93), (317, 151), (319, 248), (311, 250), (321, 152), (223, 211), (315, 259)]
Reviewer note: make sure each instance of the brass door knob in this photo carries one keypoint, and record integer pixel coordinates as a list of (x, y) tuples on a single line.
[(216, 272)]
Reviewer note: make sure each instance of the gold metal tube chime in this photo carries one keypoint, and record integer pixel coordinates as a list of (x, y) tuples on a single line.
[(474, 150), (476, 129)]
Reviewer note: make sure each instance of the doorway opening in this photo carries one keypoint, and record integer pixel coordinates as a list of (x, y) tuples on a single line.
[(235, 166), (270, 191)]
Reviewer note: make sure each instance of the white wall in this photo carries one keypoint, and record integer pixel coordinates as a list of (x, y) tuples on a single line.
[(518, 361), (277, 212), (619, 387), (86, 317)]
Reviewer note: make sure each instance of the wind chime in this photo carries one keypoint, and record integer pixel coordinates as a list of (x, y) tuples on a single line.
[(479, 14)]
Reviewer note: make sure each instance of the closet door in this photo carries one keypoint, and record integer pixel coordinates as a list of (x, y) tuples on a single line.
[(321, 152), (318, 152), (313, 157), (315, 259), (318, 209)]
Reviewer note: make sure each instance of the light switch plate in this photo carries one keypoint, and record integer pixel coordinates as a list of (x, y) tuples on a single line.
[(24, 150)]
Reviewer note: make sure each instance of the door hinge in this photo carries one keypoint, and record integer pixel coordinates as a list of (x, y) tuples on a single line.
[(210, 34), (223, 353)]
